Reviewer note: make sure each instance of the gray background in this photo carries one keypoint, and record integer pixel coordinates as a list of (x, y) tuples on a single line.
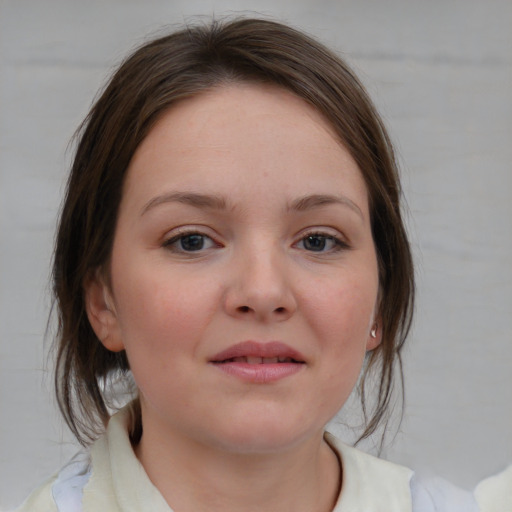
[(441, 74)]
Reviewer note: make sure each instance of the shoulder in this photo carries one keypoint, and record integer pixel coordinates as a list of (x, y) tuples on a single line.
[(41, 499), (372, 484), (63, 491), (494, 494), (369, 483), (435, 494)]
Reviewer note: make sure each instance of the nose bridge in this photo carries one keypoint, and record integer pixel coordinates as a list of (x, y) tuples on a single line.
[(260, 284), (263, 270)]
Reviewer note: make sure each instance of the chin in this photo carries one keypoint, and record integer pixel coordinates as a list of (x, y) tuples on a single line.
[(265, 436)]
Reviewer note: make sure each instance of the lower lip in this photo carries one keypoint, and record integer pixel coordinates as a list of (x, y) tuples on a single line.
[(260, 373)]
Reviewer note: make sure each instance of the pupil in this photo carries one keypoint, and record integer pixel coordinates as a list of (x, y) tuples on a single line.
[(192, 242), (314, 243)]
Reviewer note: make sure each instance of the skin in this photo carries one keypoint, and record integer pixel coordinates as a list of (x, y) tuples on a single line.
[(212, 440)]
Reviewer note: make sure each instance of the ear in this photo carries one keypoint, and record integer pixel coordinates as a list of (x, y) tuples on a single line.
[(101, 312), (375, 335)]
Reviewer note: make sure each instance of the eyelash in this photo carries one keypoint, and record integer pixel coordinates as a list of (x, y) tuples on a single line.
[(171, 243), (339, 245)]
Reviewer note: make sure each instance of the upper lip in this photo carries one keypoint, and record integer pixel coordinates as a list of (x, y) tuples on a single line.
[(257, 349)]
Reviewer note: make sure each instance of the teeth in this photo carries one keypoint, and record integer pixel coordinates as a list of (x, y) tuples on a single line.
[(261, 360), (254, 360)]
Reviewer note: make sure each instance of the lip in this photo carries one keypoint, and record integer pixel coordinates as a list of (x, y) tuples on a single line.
[(229, 361), (257, 349)]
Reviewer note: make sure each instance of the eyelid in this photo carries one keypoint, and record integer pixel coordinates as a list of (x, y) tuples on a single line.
[(192, 229), (331, 233), (175, 234), (324, 231)]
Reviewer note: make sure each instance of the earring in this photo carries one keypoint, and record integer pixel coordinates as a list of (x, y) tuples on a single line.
[(373, 332)]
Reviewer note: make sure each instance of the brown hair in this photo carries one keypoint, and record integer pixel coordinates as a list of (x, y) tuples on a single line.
[(156, 76)]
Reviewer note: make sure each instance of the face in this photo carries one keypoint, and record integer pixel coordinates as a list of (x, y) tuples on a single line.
[(243, 279)]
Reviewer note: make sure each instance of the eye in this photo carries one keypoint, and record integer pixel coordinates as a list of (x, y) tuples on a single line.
[(321, 242), (189, 242)]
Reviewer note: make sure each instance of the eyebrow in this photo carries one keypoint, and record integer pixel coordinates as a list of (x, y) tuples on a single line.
[(214, 202), (310, 202), (190, 198)]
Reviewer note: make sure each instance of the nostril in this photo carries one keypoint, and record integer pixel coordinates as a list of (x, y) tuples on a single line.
[(280, 310), (244, 309)]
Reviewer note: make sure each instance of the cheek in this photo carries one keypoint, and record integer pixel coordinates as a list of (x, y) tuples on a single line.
[(161, 323), (161, 313), (346, 311), (342, 319)]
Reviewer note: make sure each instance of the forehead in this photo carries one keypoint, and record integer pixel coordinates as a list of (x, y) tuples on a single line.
[(256, 108), (238, 134)]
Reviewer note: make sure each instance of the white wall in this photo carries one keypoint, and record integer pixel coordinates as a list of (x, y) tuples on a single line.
[(441, 73)]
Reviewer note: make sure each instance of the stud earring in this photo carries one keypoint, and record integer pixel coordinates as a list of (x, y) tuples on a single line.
[(373, 332)]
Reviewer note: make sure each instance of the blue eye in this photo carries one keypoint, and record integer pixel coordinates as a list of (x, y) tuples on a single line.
[(189, 242), (318, 242)]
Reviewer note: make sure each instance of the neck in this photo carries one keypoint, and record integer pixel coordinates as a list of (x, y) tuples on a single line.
[(194, 477)]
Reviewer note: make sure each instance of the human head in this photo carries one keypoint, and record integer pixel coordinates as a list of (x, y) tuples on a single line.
[(158, 75)]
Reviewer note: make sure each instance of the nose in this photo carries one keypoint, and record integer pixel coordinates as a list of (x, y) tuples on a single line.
[(260, 287)]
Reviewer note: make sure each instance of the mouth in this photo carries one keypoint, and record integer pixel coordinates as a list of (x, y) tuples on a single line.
[(259, 362), (253, 352)]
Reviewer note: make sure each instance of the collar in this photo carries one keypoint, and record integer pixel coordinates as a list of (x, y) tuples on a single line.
[(119, 482)]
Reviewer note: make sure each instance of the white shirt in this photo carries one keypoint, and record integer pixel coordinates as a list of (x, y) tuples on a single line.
[(110, 478)]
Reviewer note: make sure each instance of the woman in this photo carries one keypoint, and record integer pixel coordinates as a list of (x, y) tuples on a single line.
[(231, 238)]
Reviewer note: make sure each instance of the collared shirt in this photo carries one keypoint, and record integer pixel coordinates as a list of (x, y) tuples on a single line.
[(111, 478)]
